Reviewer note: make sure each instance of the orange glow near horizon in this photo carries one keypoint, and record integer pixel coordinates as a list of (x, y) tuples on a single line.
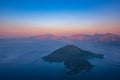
[(25, 30)]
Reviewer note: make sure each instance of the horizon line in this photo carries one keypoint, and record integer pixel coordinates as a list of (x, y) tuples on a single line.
[(27, 36)]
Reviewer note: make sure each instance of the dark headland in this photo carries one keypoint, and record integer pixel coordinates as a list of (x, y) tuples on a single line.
[(74, 58)]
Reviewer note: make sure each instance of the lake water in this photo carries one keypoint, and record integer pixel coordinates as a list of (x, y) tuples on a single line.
[(21, 60)]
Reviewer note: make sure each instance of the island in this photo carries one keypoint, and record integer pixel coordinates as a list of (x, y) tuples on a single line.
[(74, 58)]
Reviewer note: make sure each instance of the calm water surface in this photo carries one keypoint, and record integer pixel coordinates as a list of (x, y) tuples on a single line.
[(21, 60)]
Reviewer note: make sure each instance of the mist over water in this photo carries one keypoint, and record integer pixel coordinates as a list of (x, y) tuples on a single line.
[(21, 59)]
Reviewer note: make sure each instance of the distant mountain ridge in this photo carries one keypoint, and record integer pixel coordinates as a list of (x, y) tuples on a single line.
[(106, 38)]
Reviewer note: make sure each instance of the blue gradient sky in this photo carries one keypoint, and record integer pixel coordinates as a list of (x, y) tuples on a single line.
[(53, 15)]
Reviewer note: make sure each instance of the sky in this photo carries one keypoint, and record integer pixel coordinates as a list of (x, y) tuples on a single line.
[(34, 17)]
